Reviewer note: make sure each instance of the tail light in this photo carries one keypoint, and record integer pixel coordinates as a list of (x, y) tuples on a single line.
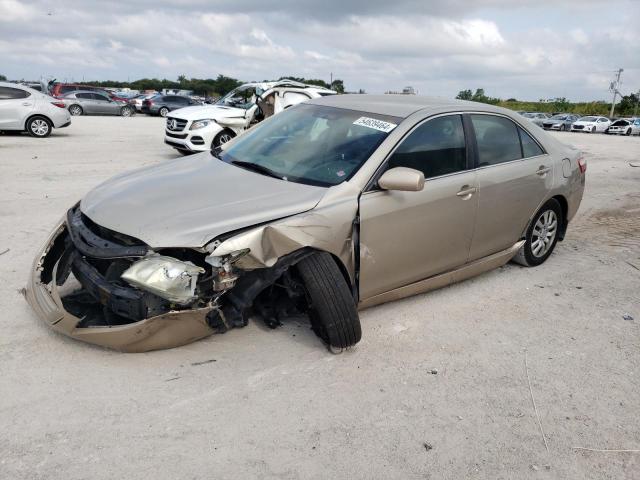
[(59, 104), (582, 165)]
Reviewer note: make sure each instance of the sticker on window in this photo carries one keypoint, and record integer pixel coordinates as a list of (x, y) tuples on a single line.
[(375, 124)]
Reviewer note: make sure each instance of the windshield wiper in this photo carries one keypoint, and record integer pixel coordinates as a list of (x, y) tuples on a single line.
[(258, 168)]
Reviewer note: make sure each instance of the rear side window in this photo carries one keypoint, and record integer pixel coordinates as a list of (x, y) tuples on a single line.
[(529, 146), (437, 147), (183, 100), (8, 93), (498, 140), (84, 96)]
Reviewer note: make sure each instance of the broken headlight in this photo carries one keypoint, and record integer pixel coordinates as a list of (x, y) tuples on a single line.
[(166, 277)]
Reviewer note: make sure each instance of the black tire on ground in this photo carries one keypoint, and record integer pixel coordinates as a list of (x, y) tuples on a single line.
[(222, 138), (540, 227), (628, 132), (75, 110), (39, 126), (562, 127), (126, 111), (332, 310), (163, 111)]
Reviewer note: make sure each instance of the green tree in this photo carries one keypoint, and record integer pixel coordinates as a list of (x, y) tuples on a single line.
[(464, 95), (3, 78)]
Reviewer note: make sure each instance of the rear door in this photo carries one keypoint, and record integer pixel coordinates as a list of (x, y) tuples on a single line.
[(85, 100), (409, 236), (15, 106), (514, 177)]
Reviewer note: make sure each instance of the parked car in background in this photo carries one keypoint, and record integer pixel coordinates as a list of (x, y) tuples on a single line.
[(138, 99), (635, 127), (96, 103), (334, 204), (163, 104), (537, 117), (197, 129), (560, 121), (622, 126), (25, 109), (591, 124), (59, 90)]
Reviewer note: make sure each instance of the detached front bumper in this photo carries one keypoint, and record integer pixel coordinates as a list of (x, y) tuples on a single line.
[(171, 329)]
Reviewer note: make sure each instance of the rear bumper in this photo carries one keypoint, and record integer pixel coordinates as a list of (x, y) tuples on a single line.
[(168, 330)]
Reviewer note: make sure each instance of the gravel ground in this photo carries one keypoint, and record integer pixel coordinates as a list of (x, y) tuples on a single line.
[(256, 403)]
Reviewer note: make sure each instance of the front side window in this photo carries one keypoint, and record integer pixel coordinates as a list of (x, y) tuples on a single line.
[(311, 144), (498, 139), (100, 98), (8, 93), (84, 96), (437, 147)]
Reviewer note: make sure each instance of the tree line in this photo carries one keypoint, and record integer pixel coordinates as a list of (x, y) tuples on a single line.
[(628, 105), (211, 87)]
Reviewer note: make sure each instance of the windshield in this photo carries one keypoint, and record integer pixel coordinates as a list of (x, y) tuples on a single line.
[(242, 97), (588, 119), (311, 144)]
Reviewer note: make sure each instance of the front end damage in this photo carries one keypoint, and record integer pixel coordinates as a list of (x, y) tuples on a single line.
[(109, 289)]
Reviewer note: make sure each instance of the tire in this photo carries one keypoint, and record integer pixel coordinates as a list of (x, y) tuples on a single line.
[(562, 128), (75, 110), (126, 112), (332, 311), (628, 132), (593, 129), (222, 138), (39, 127), (163, 111), (546, 223)]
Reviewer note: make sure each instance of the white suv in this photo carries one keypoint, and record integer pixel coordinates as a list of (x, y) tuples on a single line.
[(201, 128), (23, 108)]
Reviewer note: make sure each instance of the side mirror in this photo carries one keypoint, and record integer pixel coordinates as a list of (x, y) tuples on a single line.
[(402, 179)]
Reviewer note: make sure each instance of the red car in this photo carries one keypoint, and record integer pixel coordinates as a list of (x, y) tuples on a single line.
[(59, 90)]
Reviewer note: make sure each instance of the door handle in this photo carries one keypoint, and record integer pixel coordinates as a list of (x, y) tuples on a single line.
[(466, 191), (26, 104), (542, 170)]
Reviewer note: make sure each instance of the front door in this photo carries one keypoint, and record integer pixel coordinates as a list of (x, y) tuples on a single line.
[(15, 107), (514, 177), (409, 236)]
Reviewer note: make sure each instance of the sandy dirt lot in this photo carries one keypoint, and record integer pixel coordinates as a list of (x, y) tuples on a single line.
[(257, 403)]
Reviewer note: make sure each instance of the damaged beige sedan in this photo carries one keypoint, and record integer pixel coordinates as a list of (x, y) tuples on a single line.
[(334, 205)]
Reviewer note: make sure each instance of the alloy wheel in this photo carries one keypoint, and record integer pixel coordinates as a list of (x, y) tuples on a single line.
[(544, 233), (224, 138), (39, 127)]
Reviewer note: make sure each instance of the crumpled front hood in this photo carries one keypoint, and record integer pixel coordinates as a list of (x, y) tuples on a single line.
[(189, 201), (201, 112)]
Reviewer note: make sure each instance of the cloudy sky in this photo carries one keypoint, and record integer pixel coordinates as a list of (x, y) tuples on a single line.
[(511, 48)]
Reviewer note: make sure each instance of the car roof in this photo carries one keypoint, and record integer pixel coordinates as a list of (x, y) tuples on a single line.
[(402, 105)]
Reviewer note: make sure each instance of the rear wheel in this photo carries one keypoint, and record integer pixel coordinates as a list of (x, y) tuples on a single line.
[(75, 110), (593, 129), (39, 127), (542, 235), (126, 111), (562, 128), (163, 111), (332, 310)]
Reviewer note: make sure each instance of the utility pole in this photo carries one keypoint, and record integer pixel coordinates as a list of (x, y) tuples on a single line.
[(614, 86), (635, 109), (331, 82)]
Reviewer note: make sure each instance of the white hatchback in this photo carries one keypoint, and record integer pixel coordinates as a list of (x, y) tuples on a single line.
[(25, 109), (204, 127)]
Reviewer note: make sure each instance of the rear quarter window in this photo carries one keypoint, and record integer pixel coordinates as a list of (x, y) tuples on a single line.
[(8, 93)]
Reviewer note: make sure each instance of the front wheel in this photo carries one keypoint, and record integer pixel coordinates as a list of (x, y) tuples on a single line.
[(542, 235), (221, 138), (75, 110), (331, 307), (163, 111), (39, 127), (593, 129), (126, 112), (562, 128)]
